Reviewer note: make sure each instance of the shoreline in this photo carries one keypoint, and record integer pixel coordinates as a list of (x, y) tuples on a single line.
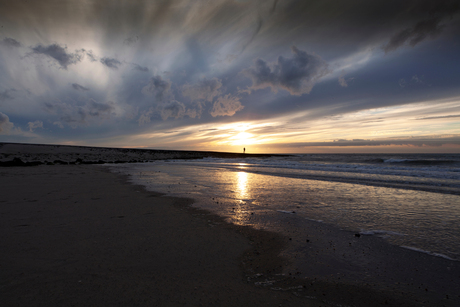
[(334, 255), (85, 236)]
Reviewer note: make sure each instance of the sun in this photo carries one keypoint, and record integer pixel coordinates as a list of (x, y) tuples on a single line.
[(242, 138)]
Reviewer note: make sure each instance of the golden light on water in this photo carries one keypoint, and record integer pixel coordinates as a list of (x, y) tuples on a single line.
[(240, 181), (242, 185)]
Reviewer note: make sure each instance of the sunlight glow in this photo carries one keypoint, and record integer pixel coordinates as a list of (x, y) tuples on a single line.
[(295, 133), (242, 138)]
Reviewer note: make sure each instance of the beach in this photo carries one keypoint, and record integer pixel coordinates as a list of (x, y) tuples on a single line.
[(79, 235)]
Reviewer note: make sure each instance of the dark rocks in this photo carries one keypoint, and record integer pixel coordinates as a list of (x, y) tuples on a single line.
[(19, 162)]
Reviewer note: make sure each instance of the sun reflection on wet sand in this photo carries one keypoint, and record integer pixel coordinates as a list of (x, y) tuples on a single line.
[(240, 181), (242, 188)]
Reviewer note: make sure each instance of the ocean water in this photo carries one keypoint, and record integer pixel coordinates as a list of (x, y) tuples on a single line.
[(412, 201)]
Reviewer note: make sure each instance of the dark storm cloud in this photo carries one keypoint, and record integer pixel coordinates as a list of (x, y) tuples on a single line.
[(5, 124), (334, 28), (111, 63), (59, 54), (10, 42), (297, 75), (157, 87), (79, 87), (422, 30)]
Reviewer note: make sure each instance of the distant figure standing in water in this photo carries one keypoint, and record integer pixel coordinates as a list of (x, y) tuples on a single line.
[(244, 150)]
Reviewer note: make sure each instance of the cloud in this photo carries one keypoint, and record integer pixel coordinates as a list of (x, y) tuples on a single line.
[(75, 115), (34, 125), (157, 87), (257, 30), (438, 117), (226, 106), (342, 80), (59, 54), (111, 63), (173, 109), (418, 33), (145, 117), (297, 75), (97, 109), (5, 124), (140, 68), (79, 87), (10, 42), (417, 79), (205, 90), (59, 124), (91, 56)]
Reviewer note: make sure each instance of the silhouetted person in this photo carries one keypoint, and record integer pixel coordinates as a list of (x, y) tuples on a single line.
[(244, 150)]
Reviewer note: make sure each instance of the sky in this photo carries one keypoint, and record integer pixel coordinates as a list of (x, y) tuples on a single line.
[(277, 76)]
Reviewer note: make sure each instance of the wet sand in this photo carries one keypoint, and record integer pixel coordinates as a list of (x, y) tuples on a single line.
[(78, 235)]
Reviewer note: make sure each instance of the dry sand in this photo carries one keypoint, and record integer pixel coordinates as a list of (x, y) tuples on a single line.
[(78, 235)]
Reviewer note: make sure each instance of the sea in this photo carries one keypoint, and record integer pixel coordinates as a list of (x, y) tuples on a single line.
[(408, 200)]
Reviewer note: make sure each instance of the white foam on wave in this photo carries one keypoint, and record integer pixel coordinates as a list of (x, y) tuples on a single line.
[(380, 233), (428, 252), (397, 160), (390, 167)]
